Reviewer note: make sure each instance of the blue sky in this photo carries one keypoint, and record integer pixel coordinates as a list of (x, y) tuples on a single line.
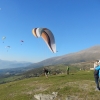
[(74, 23)]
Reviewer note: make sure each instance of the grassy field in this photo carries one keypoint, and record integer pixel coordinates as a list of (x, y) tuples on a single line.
[(75, 86)]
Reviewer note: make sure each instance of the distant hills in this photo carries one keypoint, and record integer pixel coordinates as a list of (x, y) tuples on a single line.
[(12, 64), (87, 55), (13, 67)]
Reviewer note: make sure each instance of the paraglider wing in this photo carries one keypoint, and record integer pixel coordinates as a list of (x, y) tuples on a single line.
[(3, 38), (47, 36), (22, 41), (8, 47), (39, 31), (49, 39), (34, 32)]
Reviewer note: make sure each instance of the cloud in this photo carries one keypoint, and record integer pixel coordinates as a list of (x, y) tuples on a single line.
[(0, 8)]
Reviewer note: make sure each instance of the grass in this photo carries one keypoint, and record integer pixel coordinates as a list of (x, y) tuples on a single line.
[(9, 78), (76, 86)]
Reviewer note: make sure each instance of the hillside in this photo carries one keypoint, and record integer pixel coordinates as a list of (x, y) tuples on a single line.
[(37, 72), (87, 55), (76, 86), (60, 68)]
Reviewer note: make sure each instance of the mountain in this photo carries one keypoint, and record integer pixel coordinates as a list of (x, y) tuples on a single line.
[(13, 67), (89, 54), (13, 64)]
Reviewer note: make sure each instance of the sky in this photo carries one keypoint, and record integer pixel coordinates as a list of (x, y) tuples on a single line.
[(75, 25)]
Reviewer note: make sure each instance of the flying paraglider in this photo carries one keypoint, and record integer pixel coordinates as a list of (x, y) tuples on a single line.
[(21, 41), (8, 47), (3, 38), (47, 36)]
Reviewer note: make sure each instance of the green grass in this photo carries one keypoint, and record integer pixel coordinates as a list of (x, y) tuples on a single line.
[(9, 78), (79, 85)]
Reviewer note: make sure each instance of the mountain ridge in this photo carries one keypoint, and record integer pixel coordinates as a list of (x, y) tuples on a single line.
[(88, 54)]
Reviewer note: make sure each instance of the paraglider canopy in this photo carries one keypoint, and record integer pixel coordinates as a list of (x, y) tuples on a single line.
[(21, 41), (3, 38), (47, 36), (8, 47)]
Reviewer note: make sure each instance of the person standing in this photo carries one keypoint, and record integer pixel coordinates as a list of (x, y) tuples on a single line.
[(96, 74), (67, 70), (45, 72)]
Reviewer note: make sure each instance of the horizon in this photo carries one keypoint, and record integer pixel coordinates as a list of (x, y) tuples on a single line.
[(6, 64), (50, 57)]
